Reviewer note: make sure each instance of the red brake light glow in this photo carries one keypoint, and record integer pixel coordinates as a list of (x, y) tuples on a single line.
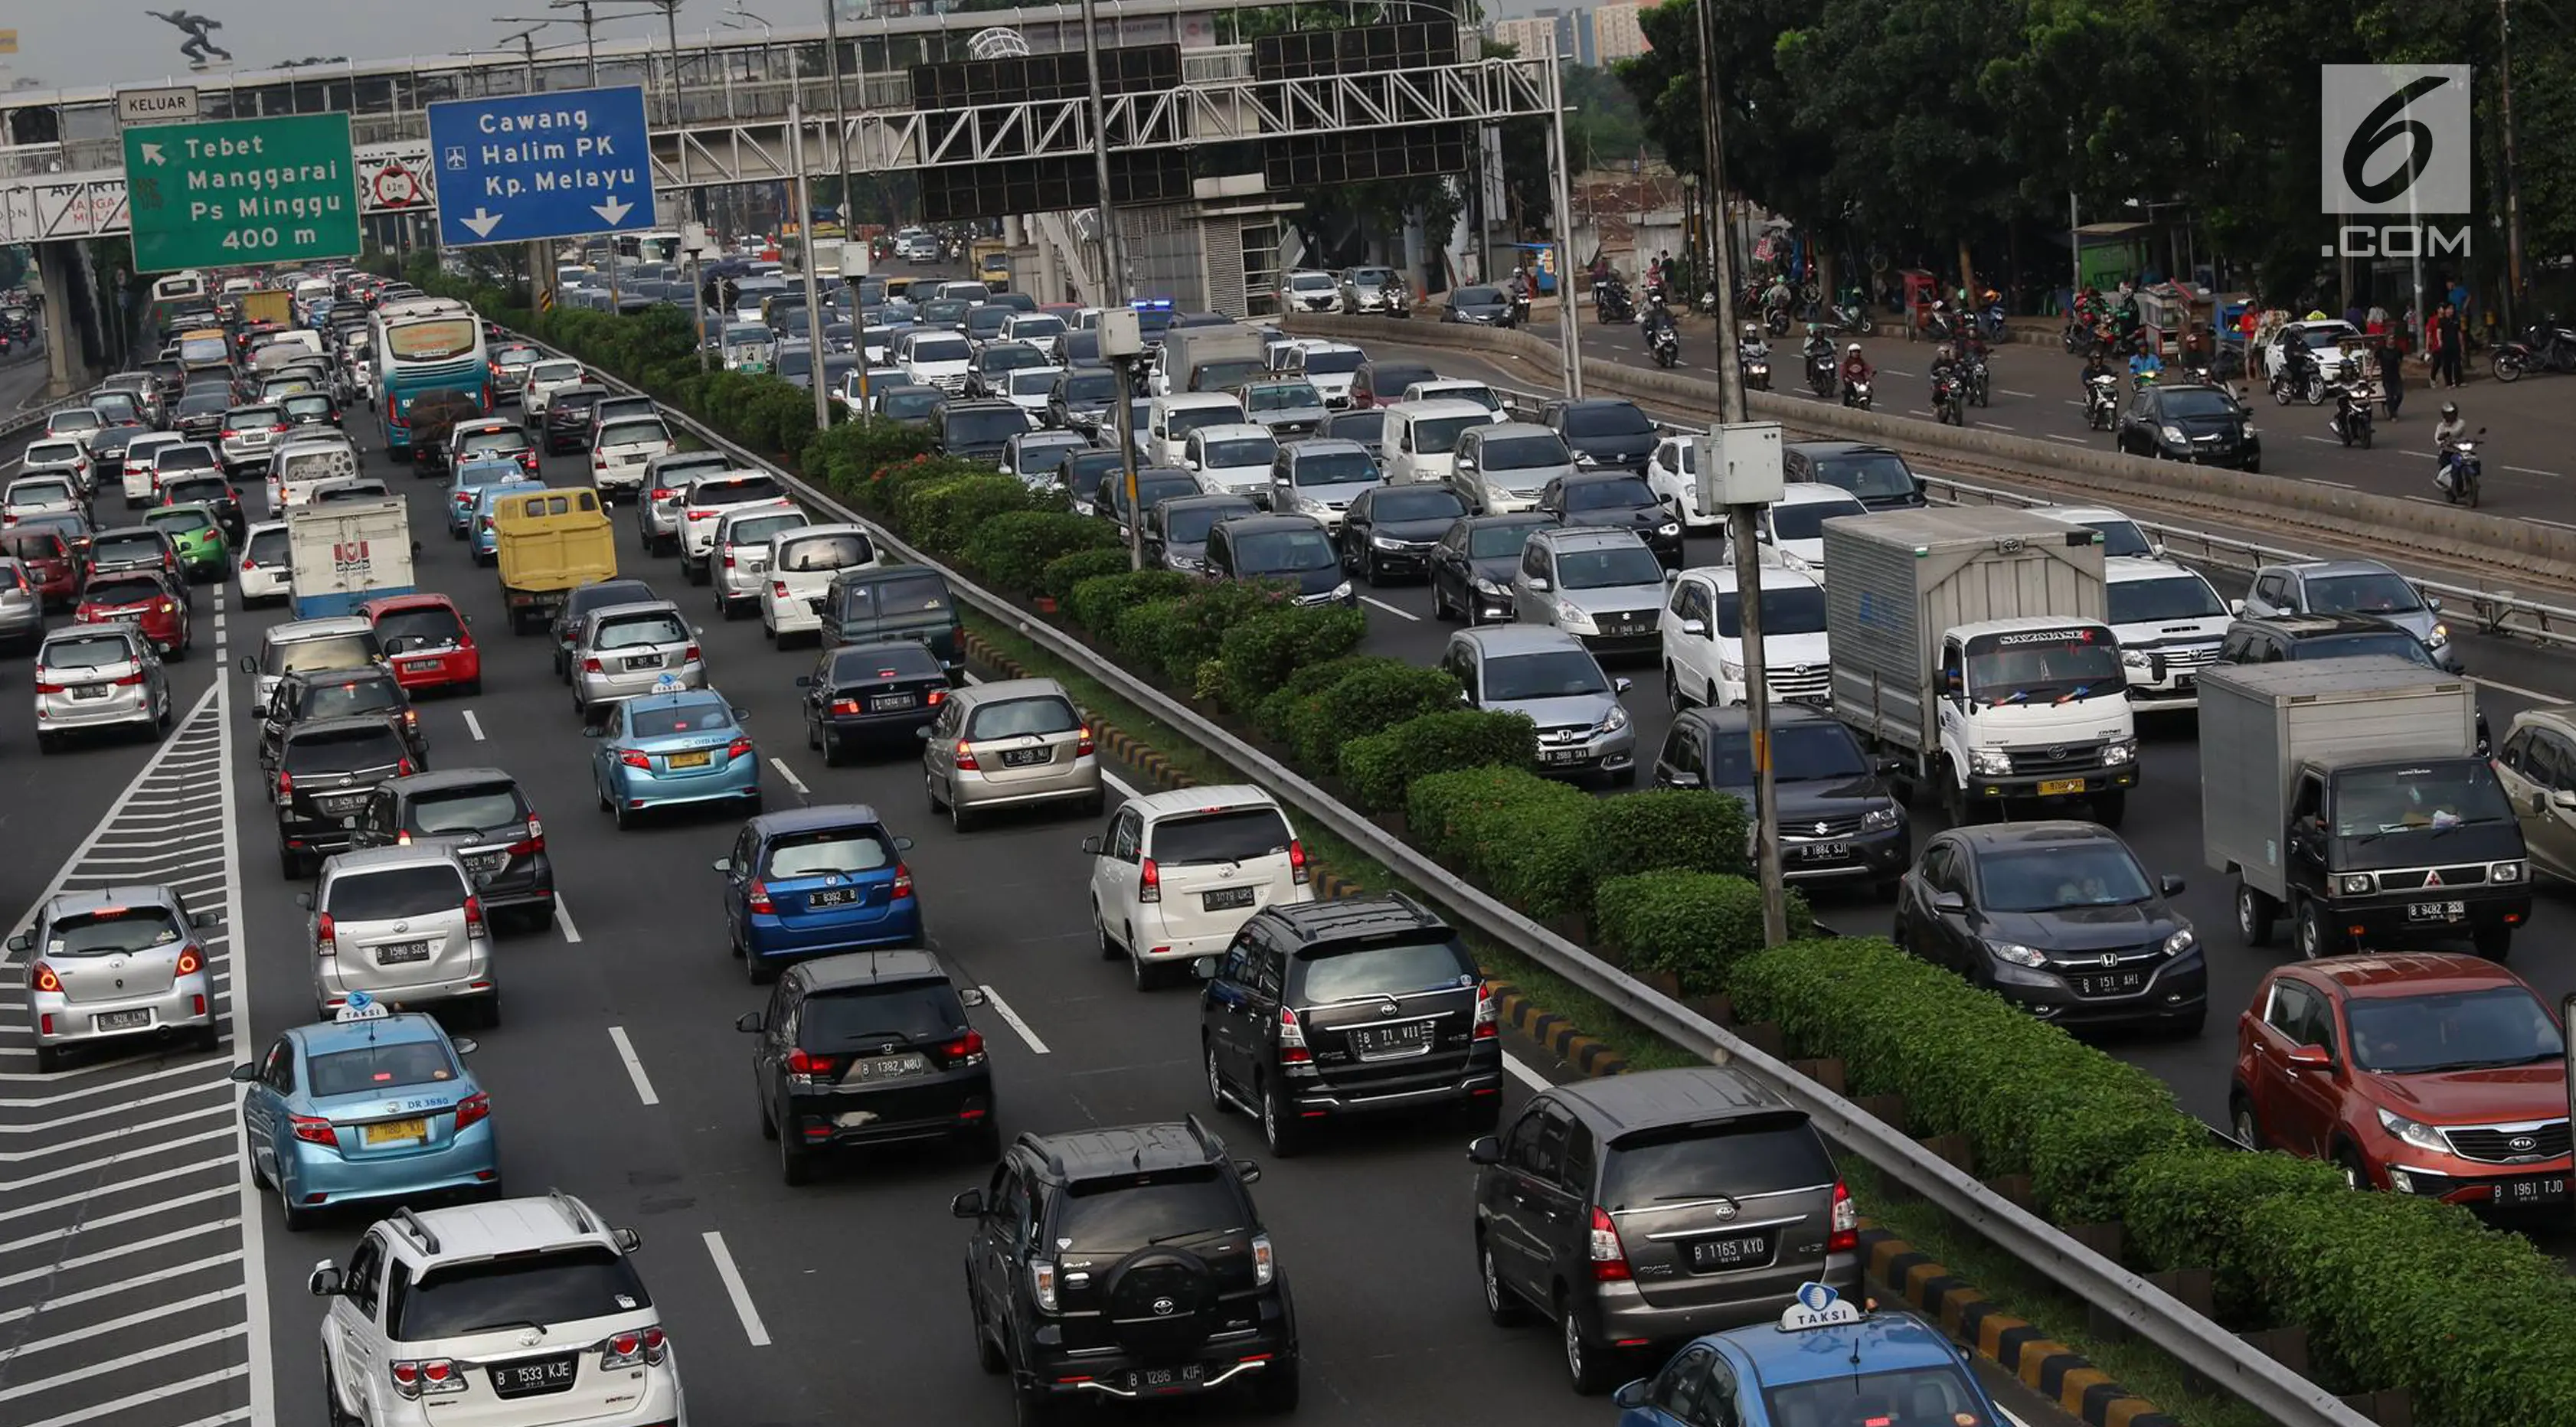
[(42, 978), (902, 882), (757, 899), (473, 1109), (314, 1130), (1609, 1256), (1149, 881)]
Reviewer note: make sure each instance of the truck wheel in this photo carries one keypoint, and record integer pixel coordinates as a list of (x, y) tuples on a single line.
[(2254, 914), (2109, 808), (2493, 943), (2308, 930)]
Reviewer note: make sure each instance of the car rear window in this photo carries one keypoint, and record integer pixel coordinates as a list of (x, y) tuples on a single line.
[(32, 545), (139, 549), (1229, 835), (557, 1286), (1016, 718), (869, 599), (329, 652), (922, 1012), (756, 530), (671, 720), (339, 698), (640, 631), (95, 652), (108, 930), (870, 663), (180, 521), (825, 552), (393, 893), (1752, 1154), (1329, 974), (1108, 1218), (471, 809), (198, 488), (378, 1069), (741, 491), (123, 592), (53, 453), (843, 850), (267, 547), (628, 432), (428, 625), (342, 750)]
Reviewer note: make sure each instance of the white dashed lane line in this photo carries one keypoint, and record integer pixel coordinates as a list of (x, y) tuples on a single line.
[(1407, 615), (634, 1066)]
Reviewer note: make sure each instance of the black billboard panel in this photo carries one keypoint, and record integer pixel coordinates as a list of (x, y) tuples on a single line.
[(1326, 160), (957, 192), (1304, 54)]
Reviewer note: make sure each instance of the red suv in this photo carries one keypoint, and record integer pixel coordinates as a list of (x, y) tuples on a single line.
[(146, 599), (426, 641), (2420, 1073), (52, 566)]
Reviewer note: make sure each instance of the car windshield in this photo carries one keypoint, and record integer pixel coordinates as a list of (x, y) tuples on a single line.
[(1022, 718), (640, 632), (918, 402), (1746, 1155), (1477, 297), (1107, 1219), (1034, 381), (1498, 541), (1099, 388), (475, 809), (1287, 397), (377, 1069), (836, 551), (1310, 282), (1878, 477), (2489, 1029), (1333, 363), (1284, 551), (1190, 524), (331, 651), (1329, 976), (2044, 666), (2122, 537), (1625, 493), (339, 698), (1399, 503), (2092, 873), (2373, 593), (1903, 1396), (2371, 803), (1793, 609), (2396, 643), (1806, 519), (1336, 468), (106, 931), (1010, 357), (862, 1017), (1505, 459), (424, 626), (2167, 597), (628, 433), (1036, 324), (941, 349), (1551, 674), (1608, 568), (1241, 451), (1438, 435), (983, 425), (554, 1286), (1619, 419), (697, 717), (395, 893), (1227, 835), (96, 651), (1800, 752), (1184, 420)]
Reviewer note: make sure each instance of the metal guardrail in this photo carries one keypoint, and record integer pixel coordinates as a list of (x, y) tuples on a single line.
[(2227, 1361)]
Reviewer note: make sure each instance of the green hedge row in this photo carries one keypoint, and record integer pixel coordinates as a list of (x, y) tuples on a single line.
[(1692, 925), (1379, 768)]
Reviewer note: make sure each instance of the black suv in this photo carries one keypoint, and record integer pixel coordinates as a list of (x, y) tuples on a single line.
[(2298, 637), (867, 1048), (1126, 1263), (326, 771), (340, 693), (1607, 433), (568, 419), (1839, 822), (1351, 1006), (1614, 500), (482, 813)]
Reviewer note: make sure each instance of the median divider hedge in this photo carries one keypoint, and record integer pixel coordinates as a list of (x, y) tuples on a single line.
[(2475, 1324)]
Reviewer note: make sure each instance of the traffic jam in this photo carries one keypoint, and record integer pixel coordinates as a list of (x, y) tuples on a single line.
[(739, 716)]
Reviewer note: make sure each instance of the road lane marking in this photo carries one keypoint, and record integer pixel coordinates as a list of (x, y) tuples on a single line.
[(790, 775), (124, 1285), (139, 1246), (203, 1166), (2008, 391), (634, 1066), (67, 1171), (184, 1092), (1522, 1072), (1891, 371), (1003, 1009), (2069, 440), (473, 726), (1997, 425), (2518, 692), (2528, 471), (155, 1394), (1390, 609), (563, 921), (2321, 481), (89, 1222), (735, 1289)]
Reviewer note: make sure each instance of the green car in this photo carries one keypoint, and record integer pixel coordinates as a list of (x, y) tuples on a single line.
[(199, 536)]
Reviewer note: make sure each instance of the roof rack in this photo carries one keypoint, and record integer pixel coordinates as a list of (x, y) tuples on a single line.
[(1207, 1138), (410, 1223), (572, 1210)]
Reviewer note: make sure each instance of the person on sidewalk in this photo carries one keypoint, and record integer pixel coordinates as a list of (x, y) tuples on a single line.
[(2448, 325), (2392, 366)]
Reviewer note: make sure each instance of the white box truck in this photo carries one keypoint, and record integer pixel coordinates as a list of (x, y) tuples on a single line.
[(1971, 642), (343, 553), (2349, 795), (1209, 359)]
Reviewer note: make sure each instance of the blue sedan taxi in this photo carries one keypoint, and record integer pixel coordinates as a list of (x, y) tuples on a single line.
[(485, 541), (1826, 1363), (369, 1106), (470, 478), (669, 747), (814, 881)]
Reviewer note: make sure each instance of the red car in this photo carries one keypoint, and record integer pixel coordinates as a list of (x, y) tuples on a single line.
[(148, 600), (426, 640), (2432, 1074), (51, 564)]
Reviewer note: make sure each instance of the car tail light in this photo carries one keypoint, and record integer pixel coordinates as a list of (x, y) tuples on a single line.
[(44, 688), (42, 978), (1149, 881), (702, 515), (279, 427), (1042, 1283), (229, 433), (1609, 1256), (937, 697), (663, 493), (535, 841), (632, 1349), (1264, 1266), (1488, 1022), (964, 1051), (326, 936), (1297, 870), (590, 666), (487, 522), (778, 589), (965, 758), (805, 1065), (314, 1130), (739, 748), (404, 769), (902, 883), (473, 1109), (285, 784), (691, 655), (1845, 1236), (249, 564), (1084, 748), (728, 557), (427, 1377), (757, 899), (190, 963), (633, 759), (473, 914), (1292, 1040), (845, 706)]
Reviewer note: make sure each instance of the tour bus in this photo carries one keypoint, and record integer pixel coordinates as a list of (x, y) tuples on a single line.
[(422, 345), (175, 293)]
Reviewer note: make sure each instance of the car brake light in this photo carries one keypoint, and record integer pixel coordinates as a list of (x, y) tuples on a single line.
[(1845, 1235), (778, 589), (1292, 1040), (432, 1376), (739, 748), (966, 1050), (1609, 1256), (44, 688), (728, 557), (229, 433), (1149, 880), (473, 1109), (403, 769), (663, 493), (702, 515), (473, 914), (314, 1130), (1297, 871), (285, 784), (1488, 1024), (249, 564), (631, 1349), (633, 759), (1083, 749), (691, 655), (277, 428), (757, 899), (590, 666), (534, 842), (42, 978), (808, 1064), (937, 697), (326, 936), (190, 963)]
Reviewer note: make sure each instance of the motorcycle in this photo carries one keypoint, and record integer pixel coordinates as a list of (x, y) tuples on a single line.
[(1938, 325), (1775, 320), (1972, 371), (2101, 400), (1610, 303), (1949, 401), (2512, 359), (1756, 365), (1856, 395), (1666, 345), (2306, 384), (1520, 306), (2351, 419), (1820, 372), (1851, 317), (2458, 477)]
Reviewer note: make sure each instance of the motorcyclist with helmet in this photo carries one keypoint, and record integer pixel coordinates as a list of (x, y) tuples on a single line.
[(2145, 367), (2447, 436), (1819, 350), (1945, 369), (1856, 368)]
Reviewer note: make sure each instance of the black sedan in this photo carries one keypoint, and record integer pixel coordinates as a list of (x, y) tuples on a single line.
[(2200, 424), (1617, 501), (1390, 530), (1154, 485), (880, 693), (2059, 919), (1471, 567), (1176, 530), (1484, 306), (1603, 431)]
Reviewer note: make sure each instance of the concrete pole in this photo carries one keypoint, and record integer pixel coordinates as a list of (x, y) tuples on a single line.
[(805, 260), (1113, 276), (1569, 338)]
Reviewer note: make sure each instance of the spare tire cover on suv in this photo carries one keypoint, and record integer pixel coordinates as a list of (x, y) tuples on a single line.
[(1162, 1302)]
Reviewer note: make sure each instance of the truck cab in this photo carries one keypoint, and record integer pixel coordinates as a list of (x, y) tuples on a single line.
[(2037, 707), (549, 542)]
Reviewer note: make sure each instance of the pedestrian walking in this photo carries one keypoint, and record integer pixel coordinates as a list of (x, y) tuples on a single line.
[(2392, 372), (2447, 324)]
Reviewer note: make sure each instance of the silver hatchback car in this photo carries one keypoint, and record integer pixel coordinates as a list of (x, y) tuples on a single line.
[(115, 963), (1604, 587), (403, 925), (666, 482), (1017, 741), (629, 649), (22, 605), (738, 566), (1548, 677), (97, 676)]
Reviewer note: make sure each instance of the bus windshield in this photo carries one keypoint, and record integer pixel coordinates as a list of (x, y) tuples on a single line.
[(432, 341)]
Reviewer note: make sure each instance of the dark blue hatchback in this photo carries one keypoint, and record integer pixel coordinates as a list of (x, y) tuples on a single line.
[(813, 881)]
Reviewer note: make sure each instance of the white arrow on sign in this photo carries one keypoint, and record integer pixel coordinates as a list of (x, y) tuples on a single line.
[(482, 221), (612, 211), (151, 153)]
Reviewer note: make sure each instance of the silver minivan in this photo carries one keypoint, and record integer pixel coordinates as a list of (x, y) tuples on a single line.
[(738, 566), (91, 676), (343, 641), (630, 649), (1011, 742), (403, 925), (1604, 587), (1501, 469)]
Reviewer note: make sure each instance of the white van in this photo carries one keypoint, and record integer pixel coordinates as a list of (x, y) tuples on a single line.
[(1170, 420), (1421, 439)]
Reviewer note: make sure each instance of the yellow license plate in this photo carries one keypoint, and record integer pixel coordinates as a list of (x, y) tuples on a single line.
[(701, 760), (2054, 787), (394, 1131)]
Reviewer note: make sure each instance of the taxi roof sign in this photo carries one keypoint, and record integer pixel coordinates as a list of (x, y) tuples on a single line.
[(361, 1007), (668, 683), (1818, 1306)]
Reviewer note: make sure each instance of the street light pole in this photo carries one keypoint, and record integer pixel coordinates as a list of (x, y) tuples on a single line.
[(814, 364), (2512, 177), (1569, 339), (1112, 270), (840, 149)]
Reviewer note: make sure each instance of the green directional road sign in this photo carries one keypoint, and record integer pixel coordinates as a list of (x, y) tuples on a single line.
[(241, 191)]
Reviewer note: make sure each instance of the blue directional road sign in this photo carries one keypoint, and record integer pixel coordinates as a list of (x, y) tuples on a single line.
[(554, 165)]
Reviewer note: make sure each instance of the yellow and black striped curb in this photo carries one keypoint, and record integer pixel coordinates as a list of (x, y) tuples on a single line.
[(2049, 1368), (1589, 1055)]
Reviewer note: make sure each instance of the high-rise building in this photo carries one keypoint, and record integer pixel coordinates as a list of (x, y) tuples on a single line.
[(1616, 34), (1588, 36)]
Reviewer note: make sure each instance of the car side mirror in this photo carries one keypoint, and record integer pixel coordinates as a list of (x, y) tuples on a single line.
[(325, 1280), (1677, 778), (2311, 1057), (1950, 904), (464, 1045), (1539, 585), (1696, 628), (249, 665), (2236, 608), (969, 1205), (626, 1239), (903, 844), (243, 1074), (1630, 1395), (2170, 884), (922, 733), (304, 900), (2433, 603), (1621, 686), (1203, 967), (1091, 846), (594, 730), (1484, 1149), (750, 1023), (22, 941), (804, 681), (970, 995), (723, 865), (2562, 799)]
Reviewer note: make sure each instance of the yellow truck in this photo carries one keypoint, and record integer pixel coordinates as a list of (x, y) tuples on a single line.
[(992, 263), (550, 543), (269, 305)]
